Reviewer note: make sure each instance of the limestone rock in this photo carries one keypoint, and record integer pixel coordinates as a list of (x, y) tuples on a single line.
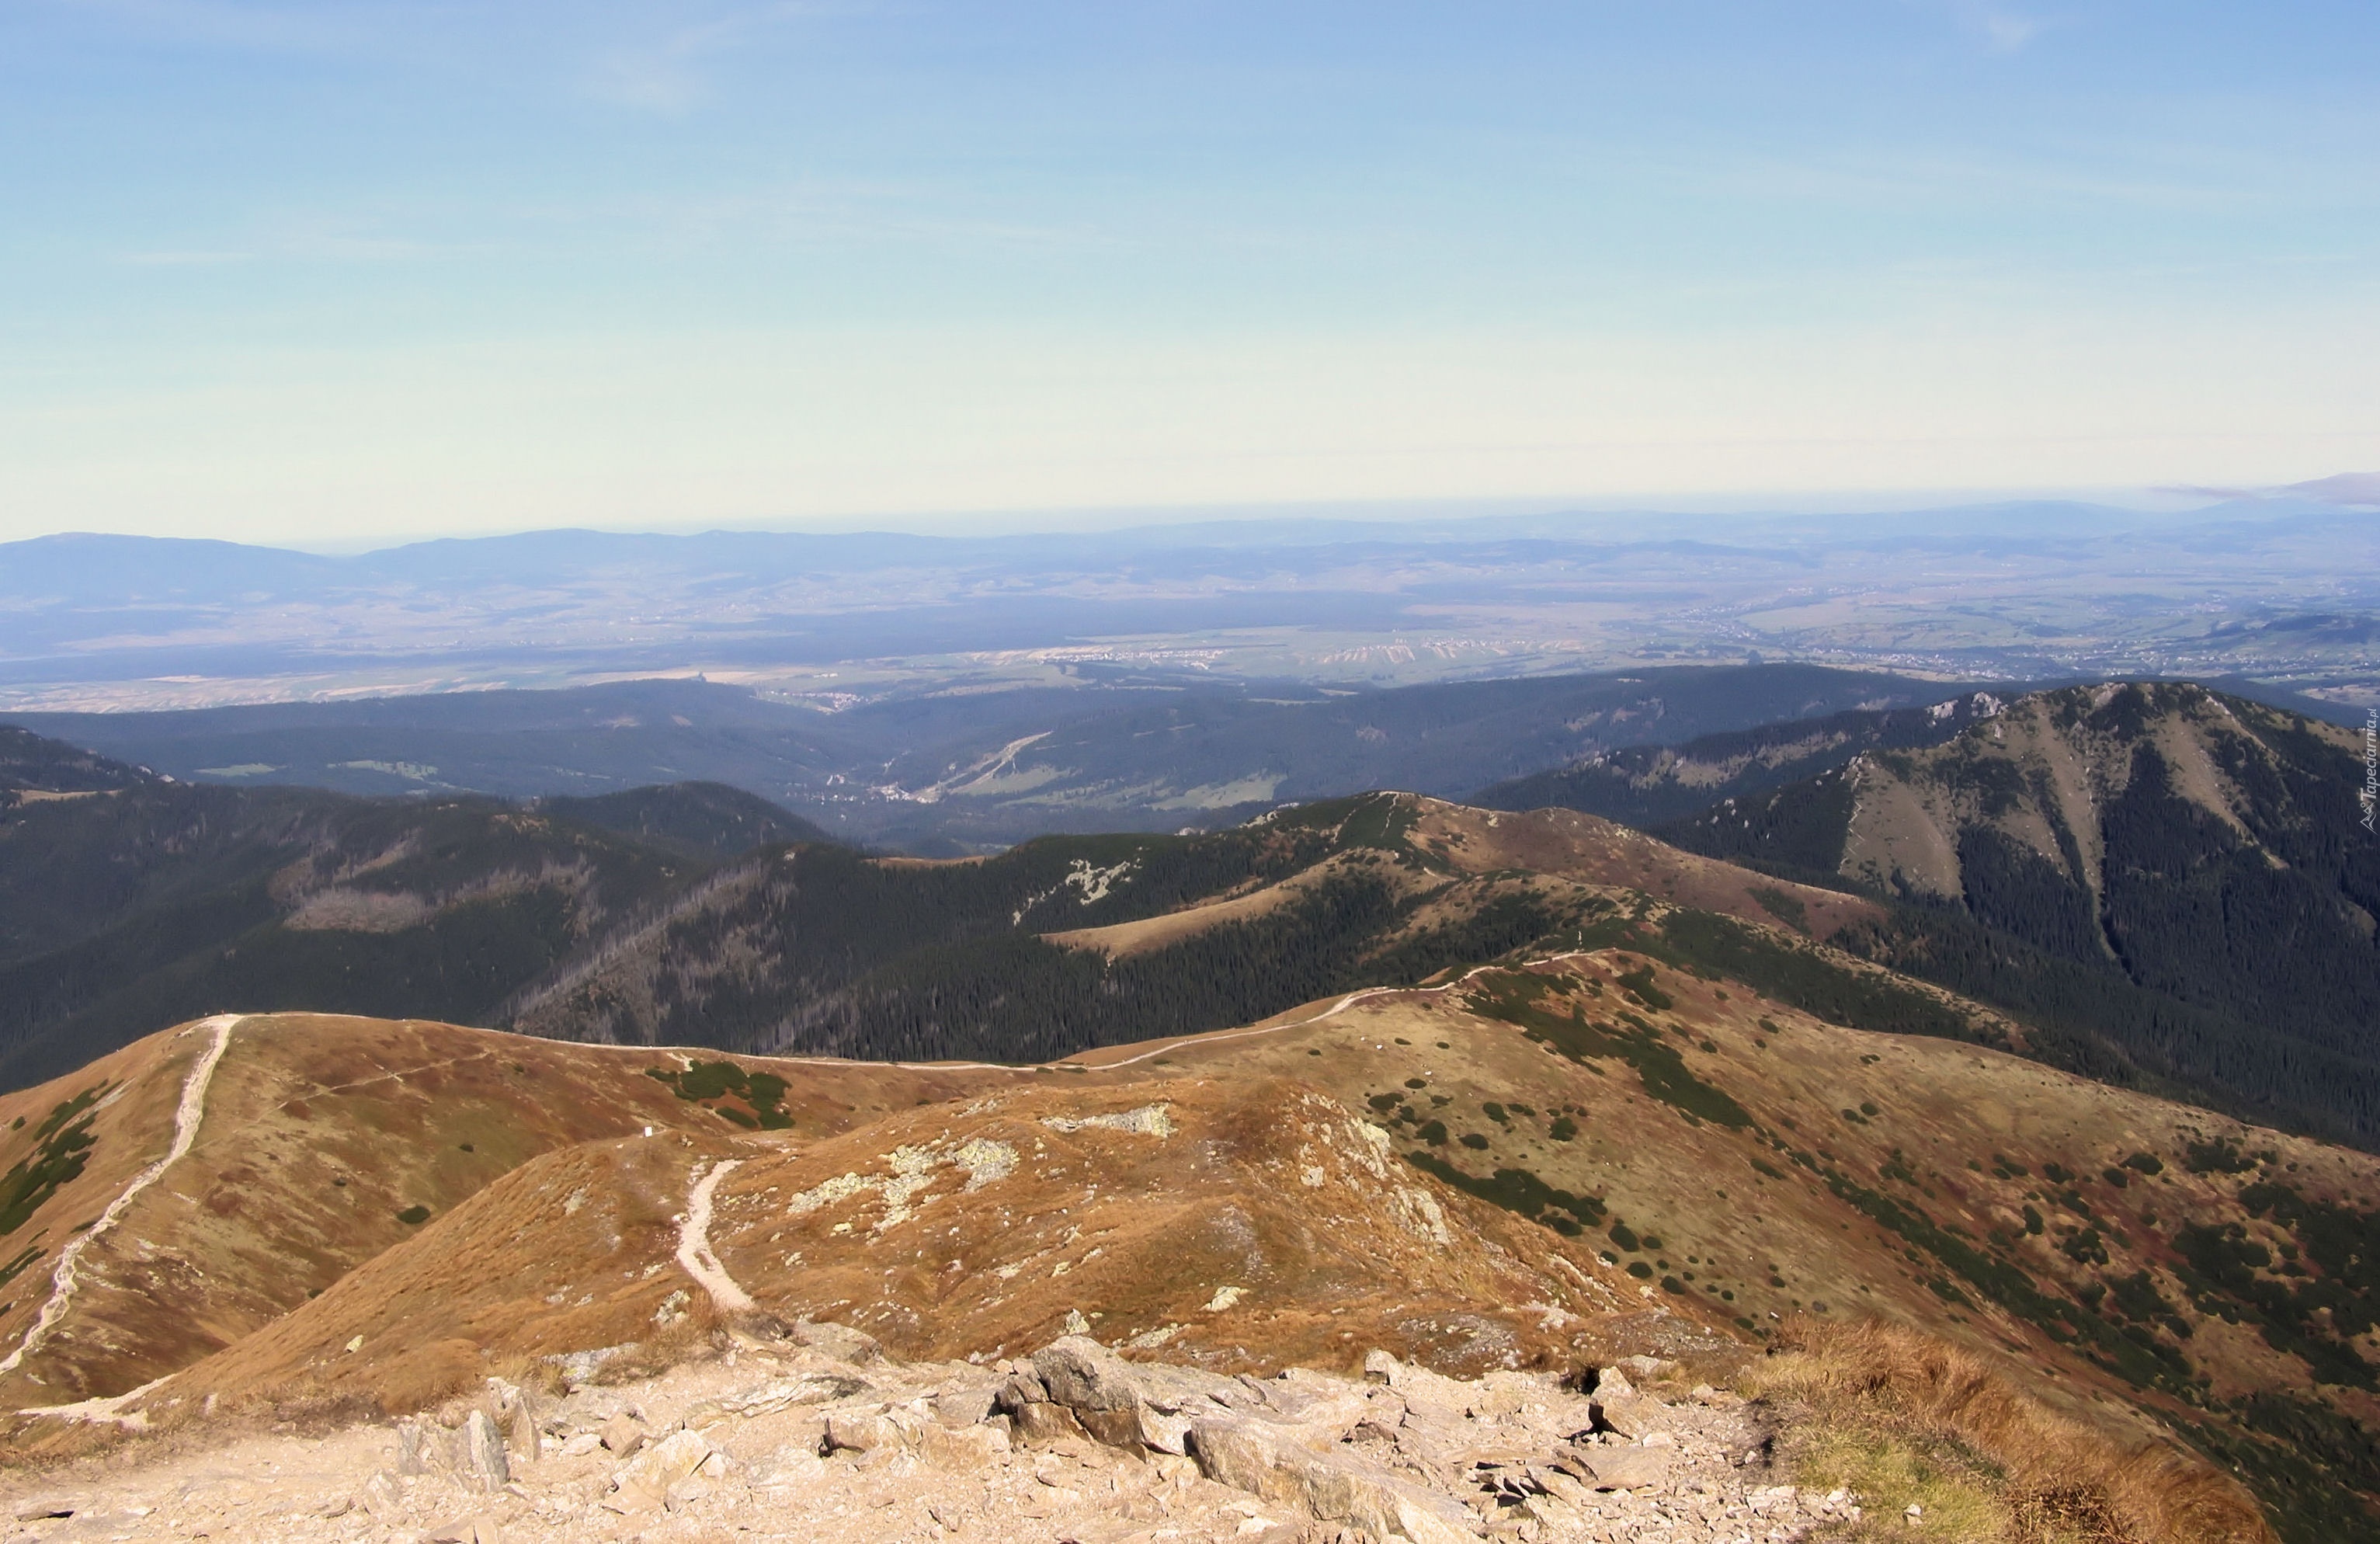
[(1267, 1459), (1128, 1404), (465, 1530), (836, 1342), (1624, 1468), (965, 1450), (521, 1423), (1325, 1408), (484, 1461), (860, 1430), (1046, 1422), (1632, 1415), (622, 1435), (382, 1497), (643, 1482), (421, 1446), (966, 1405)]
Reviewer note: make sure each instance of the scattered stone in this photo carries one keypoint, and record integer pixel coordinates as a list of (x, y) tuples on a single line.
[(1128, 1404), (622, 1435), (643, 1483), (1630, 1414), (860, 1430), (383, 1497), (420, 1445), (965, 1450), (1624, 1468), (465, 1530), (1046, 1422), (966, 1405), (1265, 1459), (484, 1461), (788, 1442)]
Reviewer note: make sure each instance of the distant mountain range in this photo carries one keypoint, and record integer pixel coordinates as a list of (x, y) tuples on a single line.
[(952, 772), (2214, 940), (2012, 591)]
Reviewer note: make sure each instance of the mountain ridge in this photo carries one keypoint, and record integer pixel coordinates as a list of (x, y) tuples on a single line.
[(2195, 849)]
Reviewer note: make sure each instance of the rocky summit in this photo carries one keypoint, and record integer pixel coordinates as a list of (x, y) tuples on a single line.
[(811, 1432)]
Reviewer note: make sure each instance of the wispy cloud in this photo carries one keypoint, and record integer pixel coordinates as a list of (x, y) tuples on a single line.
[(187, 258), (2348, 490), (2001, 28), (671, 72), (333, 237)]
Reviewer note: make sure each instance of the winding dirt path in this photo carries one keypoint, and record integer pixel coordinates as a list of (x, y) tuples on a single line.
[(1331, 1012), (693, 1251), (67, 1277)]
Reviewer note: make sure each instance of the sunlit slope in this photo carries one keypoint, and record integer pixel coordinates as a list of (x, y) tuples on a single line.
[(302, 1146)]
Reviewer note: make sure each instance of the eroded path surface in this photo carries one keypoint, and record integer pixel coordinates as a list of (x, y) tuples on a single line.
[(67, 1277), (694, 1252), (817, 1436)]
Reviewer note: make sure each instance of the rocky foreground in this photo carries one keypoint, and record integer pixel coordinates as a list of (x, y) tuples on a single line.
[(816, 1434)]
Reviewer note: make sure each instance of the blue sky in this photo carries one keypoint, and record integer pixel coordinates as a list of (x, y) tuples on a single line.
[(330, 270)]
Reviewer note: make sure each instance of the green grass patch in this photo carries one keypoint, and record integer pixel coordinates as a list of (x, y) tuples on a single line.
[(710, 1083), (1519, 1190), (1530, 1002), (1786, 907), (62, 1147)]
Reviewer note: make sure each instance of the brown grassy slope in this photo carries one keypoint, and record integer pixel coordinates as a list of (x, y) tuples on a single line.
[(976, 1227), (317, 1131), (1728, 1204), (1906, 1419), (1955, 1144), (981, 1220), (1474, 855)]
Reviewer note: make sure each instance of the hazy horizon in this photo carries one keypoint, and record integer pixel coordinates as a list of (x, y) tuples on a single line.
[(297, 273), (2363, 491)]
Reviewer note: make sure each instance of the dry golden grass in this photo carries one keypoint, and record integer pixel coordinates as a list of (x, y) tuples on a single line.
[(1905, 1418)]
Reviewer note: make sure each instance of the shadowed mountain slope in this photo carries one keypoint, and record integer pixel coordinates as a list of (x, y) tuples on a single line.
[(129, 899), (1647, 786), (2181, 875), (1074, 941), (709, 820)]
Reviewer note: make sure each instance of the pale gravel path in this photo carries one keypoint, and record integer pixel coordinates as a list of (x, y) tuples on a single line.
[(65, 1278), (693, 1251)]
